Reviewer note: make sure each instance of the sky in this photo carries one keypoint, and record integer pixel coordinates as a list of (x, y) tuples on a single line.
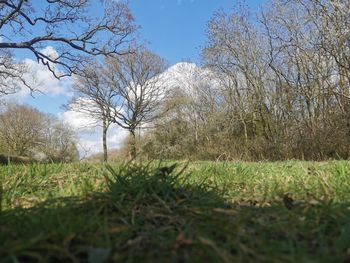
[(174, 29)]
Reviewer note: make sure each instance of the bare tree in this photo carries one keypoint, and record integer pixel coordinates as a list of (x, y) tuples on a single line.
[(236, 52), (138, 90), (25, 131), (20, 128), (57, 142), (331, 22), (92, 97), (70, 26)]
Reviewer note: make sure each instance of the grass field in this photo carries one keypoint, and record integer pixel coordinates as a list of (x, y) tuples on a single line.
[(209, 212)]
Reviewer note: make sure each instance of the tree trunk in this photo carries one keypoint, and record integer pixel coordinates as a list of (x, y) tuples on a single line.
[(245, 132), (104, 140), (132, 145)]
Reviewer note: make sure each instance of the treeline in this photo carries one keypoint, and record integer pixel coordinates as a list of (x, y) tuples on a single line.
[(274, 85), (28, 135)]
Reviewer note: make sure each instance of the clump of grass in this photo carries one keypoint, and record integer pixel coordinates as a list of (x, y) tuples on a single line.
[(156, 184)]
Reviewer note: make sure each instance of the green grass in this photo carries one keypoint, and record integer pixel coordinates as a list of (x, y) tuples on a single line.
[(210, 212)]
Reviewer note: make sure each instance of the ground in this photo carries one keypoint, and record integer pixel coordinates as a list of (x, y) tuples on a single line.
[(201, 212)]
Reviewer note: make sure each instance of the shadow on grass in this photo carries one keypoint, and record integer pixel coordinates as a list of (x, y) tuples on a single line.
[(155, 215)]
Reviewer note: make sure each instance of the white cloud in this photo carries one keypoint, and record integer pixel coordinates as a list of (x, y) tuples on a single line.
[(41, 79), (91, 143), (50, 51), (90, 133), (78, 121), (116, 137)]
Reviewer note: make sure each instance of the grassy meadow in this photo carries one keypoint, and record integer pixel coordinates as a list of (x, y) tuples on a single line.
[(200, 212)]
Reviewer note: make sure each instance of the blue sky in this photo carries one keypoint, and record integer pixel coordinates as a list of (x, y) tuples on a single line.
[(174, 29)]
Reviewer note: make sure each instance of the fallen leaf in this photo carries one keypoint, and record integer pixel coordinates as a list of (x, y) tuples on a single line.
[(117, 229), (182, 241)]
